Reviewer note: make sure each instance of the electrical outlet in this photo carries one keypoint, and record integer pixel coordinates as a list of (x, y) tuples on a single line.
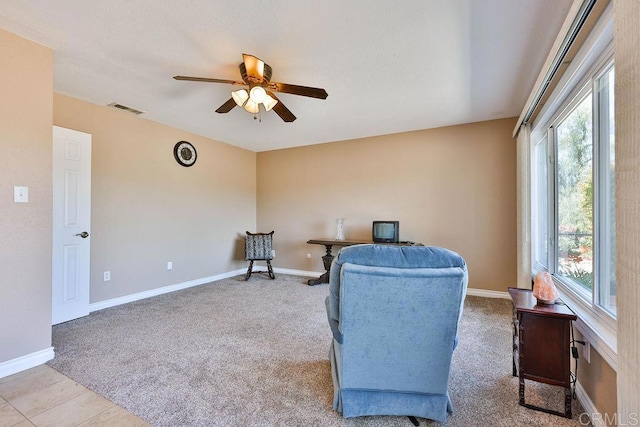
[(273, 253), (20, 194), (107, 276), (586, 351), (170, 265)]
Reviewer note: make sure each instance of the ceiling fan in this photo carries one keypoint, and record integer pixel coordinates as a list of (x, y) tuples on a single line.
[(257, 75)]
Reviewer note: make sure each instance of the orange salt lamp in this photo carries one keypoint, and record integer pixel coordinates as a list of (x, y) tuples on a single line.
[(543, 289)]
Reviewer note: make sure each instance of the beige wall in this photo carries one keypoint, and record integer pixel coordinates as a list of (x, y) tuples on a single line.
[(598, 379), (148, 210), (26, 83), (453, 187)]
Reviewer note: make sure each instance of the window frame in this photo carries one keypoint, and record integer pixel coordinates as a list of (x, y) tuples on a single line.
[(593, 61), (544, 140), (601, 215)]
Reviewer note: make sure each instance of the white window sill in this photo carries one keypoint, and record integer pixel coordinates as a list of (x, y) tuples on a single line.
[(597, 328)]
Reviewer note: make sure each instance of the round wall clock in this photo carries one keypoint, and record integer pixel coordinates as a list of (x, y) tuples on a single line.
[(185, 153)]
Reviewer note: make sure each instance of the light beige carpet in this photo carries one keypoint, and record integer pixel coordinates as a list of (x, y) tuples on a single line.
[(236, 353)]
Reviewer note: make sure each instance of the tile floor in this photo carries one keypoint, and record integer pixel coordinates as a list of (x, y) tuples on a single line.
[(42, 396)]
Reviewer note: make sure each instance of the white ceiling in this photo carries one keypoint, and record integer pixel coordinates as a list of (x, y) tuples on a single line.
[(388, 66)]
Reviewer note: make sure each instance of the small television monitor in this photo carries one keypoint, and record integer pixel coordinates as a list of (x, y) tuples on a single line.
[(385, 232)]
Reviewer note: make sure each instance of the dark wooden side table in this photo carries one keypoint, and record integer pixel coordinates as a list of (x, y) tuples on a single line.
[(542, 334), (328, 258)]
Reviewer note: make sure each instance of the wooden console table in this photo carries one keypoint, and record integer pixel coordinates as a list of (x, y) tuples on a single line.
[(541, 341), (328, 257)]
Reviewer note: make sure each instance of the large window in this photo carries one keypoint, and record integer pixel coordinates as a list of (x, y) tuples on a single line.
[(574, 195), (573, 189)]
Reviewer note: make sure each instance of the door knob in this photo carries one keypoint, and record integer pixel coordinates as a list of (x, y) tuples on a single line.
[(84, 234)]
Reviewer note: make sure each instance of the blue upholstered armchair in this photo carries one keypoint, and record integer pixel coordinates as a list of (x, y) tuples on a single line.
[(394, 313)]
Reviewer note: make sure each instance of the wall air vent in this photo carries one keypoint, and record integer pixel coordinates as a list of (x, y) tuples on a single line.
[(125, 108)]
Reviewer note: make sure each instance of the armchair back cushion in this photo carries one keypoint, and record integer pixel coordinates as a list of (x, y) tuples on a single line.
[(394, 313)]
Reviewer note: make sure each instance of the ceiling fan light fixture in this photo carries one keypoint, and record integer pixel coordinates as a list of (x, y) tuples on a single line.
[(257, 94), (269, 103), (240, 96), (252, 107)]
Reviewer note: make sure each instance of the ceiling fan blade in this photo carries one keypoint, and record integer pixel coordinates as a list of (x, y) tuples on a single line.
[(255, 70), (284, 113), (227, 106), (253, 65), (312, 92), (207, 80)]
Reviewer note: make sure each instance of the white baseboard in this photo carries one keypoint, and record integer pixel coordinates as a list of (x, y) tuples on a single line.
[(487, 294), (298, 272), (288, 271), (589, 409), (159, 291), (25, 362)]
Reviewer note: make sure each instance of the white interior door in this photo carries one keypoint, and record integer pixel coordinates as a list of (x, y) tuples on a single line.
[(71, 224)]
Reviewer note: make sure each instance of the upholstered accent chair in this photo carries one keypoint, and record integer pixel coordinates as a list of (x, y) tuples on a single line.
[(258, 247), (394, 314)]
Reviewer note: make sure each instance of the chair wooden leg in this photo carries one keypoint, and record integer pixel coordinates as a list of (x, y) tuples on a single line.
[(271, 275), (249, 271)]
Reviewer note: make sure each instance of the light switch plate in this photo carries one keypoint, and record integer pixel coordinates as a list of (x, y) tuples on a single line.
[(20, 194)]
